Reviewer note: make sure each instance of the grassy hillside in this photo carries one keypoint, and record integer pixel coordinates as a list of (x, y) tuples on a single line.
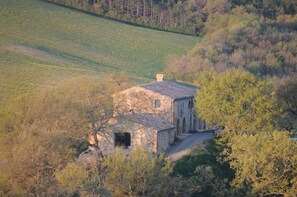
[(41, 44)]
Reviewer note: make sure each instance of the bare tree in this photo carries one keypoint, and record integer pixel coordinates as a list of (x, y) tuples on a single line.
[(100, 107)]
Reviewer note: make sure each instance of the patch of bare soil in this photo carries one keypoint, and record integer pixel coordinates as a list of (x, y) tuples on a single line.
[(36, 54)]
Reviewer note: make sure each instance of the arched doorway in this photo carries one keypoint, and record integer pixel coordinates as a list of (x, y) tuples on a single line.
[(184, 125), (178, 130), (194, 124)]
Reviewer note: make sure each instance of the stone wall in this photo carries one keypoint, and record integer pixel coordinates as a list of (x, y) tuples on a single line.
[(140, 136), (163, 140), (184, 109), (140, 100), (183, 114)]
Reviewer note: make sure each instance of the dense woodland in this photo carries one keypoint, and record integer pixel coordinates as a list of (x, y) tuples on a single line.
[(245, 67), (184, 16)]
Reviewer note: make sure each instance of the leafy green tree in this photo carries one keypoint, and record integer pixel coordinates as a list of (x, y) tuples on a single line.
[(286, 93), (71, 178), (265, 163), (140, 174), (236, 100), (207, 184), (80, 180), (204, 169)]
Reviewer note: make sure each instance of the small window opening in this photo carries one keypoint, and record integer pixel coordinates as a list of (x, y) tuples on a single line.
[(191, 104), (123, 140), (157, 103)]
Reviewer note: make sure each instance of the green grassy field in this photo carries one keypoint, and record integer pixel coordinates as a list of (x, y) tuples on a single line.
[(42, 44)]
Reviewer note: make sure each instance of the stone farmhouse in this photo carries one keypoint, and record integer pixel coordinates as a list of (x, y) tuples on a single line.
[(151, 115)]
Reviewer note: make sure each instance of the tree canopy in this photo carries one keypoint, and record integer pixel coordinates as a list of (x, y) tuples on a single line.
[(236, 100), (43, 131), (286, 93), (239, 39), (265, 163), (264, 160)]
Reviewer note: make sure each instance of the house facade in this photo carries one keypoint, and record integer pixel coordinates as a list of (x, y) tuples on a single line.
[(152, 115)]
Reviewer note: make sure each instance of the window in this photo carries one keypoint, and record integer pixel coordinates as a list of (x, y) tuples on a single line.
[(157, 103), (191, 104), (122, 139)]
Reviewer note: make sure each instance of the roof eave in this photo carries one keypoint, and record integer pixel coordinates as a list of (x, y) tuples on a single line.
[(182, 98), (162, 130)]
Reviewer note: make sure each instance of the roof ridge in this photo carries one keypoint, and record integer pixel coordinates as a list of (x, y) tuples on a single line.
[(148, 120)]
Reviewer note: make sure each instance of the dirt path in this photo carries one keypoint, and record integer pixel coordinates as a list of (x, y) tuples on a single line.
[(184, 147)]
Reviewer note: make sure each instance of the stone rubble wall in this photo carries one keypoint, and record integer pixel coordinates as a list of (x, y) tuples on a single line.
[(140, 100), (140, 136)]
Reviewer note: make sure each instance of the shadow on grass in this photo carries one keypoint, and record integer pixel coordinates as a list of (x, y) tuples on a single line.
[(206, 154)]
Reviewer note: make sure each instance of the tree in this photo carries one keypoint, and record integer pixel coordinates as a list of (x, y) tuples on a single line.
[(34, 157), (205, 171), (140, 174), (43, 131), (180, 67), (71, 178), (265, 163), (241, 39), (207, 184), (286, 94), (236, 100), (99, 106)]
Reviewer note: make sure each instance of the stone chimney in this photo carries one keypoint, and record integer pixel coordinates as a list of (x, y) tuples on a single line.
[(159, 77)]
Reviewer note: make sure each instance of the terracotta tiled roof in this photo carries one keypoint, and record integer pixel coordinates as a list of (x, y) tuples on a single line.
[(148, 120), (171, 89)]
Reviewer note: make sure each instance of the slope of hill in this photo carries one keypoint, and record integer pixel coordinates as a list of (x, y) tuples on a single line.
[(41, 44)]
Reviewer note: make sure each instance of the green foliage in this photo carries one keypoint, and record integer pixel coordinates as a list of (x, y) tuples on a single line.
[(285, 22), (207, 184), (237, 100), (205, 154), (265, 163), (286, 92), (179, 16), (42, 44), (33, 160), (137, 174), (42, 132), (203, 168), (269, 8), (64, 107), (71, 178), (241, 39), (231, 22), (186, 17), (186, 166), (141, 174)]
